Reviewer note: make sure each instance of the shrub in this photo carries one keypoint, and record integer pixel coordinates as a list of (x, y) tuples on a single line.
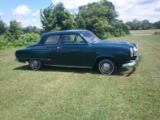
[(156, 33), (8, 40), (2, 42), (26, 39)]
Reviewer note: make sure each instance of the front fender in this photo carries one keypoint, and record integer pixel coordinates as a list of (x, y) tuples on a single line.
[(119, 56)]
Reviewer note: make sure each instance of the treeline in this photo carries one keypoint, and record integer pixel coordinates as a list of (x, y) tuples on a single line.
[(98, 17), (142, 25)]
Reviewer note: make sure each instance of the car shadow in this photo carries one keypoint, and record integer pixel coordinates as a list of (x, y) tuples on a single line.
[(56, 69), (125, 71), (120, 72), (23, 67)]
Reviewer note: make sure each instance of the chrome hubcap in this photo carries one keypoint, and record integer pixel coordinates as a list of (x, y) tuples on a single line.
[(35, 63), (106, 67)]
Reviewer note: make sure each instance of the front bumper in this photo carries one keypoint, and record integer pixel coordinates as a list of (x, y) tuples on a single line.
[(133, 62)]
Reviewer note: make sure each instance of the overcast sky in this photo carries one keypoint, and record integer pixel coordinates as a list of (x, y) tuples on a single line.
[(27, 11)]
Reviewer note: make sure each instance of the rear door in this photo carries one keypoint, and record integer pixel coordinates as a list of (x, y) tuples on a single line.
[(51, 43)]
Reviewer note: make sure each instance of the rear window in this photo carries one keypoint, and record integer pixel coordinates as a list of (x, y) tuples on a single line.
[(52, 39)]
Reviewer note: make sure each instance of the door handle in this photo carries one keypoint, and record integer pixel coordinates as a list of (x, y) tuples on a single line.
[(58, 49)]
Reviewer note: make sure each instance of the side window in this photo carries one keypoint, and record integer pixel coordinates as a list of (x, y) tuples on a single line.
[(72, 39), (52, 39), (68, 39), (80, 40)]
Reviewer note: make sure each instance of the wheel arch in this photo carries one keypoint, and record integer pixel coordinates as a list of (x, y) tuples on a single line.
[(104, 57)]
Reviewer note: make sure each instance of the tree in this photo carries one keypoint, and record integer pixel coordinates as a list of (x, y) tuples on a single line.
[(139, 25), (100, 18), (56, 18), (146, 25), (13, 32), (31, 29), (2, 27), (157, 24), (119, 28), (15, 29)]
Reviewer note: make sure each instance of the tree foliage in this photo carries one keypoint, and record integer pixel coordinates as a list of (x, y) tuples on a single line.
[(56, 18), (23, 40), (139, 25), (2, 27), (100, 18), (14, 36), (15, 29), (27, 39), (31, 29), (157, 24)]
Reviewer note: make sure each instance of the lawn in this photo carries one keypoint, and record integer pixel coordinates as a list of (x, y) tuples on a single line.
[(69, 94)]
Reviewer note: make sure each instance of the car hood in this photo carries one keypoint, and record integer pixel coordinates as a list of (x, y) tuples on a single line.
[(112, 43)]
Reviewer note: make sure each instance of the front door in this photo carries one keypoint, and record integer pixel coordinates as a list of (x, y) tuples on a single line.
[(72, 50)]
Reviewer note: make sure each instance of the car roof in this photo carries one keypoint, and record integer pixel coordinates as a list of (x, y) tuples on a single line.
[(65, 32)]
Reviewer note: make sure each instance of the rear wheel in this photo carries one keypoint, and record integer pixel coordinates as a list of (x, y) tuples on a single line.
[(107, 66), (35, 64)]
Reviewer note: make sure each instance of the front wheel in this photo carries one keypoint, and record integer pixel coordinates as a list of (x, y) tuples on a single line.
[(35, 64), (107, 66)]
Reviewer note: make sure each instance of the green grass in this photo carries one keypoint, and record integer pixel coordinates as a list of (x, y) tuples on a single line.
[(144, 32), (67, 93)]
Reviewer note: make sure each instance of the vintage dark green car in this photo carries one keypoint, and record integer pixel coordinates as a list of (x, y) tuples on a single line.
[(80, 49)]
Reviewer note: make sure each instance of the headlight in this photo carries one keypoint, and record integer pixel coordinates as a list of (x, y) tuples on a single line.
[(131, 52), (135, 49)]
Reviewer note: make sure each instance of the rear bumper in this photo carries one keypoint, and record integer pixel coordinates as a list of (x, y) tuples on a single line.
[(134, 61), (19, 60)]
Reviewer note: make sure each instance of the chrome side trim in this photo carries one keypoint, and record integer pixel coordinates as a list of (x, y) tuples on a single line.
[(132, 62), (39, 59), (69, 66), (16, 59)]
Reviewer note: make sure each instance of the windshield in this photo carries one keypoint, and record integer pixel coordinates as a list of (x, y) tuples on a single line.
[(90, 37)]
